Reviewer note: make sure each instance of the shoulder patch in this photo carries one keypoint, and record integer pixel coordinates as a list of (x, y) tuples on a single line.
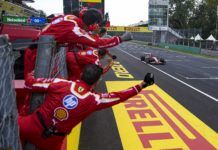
[(90, 52)]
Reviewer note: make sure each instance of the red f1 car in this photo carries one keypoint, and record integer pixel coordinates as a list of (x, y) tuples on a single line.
[(151, 59)]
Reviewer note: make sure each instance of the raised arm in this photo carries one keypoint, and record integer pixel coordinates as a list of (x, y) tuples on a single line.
[(85, 38), (110, 99)]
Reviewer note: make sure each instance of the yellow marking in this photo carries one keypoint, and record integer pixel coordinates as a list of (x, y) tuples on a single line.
[(91, 1), (195, 122), (179, 124), (129, 135), (73, 138), (120, 71)]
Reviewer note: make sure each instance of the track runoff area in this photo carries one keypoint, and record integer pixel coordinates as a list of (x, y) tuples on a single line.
[(179, 112)]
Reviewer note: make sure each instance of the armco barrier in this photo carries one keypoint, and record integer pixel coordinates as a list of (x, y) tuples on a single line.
[(181, 48)]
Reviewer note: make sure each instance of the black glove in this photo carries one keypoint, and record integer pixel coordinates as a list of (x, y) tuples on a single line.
[(114, 57), (148, 79), (126, 36)]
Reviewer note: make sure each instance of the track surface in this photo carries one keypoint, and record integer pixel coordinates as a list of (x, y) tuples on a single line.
[(191, 80)]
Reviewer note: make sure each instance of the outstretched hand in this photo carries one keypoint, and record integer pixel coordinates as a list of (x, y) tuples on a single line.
[(126, 36), (148, 80)]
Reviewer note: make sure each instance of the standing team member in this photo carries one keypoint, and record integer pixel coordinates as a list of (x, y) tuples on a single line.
[(29, 58), (73, 30), (66, 104)]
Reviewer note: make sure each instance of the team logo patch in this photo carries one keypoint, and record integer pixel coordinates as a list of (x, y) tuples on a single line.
[(61, 114), (89, 52), (70, 101), (80, 89)]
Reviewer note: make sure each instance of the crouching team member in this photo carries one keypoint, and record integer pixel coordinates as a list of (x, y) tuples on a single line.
[(66, 104), (76, 61)]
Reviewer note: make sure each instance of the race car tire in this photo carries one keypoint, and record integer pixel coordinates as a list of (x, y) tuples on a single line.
[(147, 60), (142, 58), (163, 61)]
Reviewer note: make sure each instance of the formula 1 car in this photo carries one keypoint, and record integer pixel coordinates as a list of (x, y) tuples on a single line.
[(151, 59)]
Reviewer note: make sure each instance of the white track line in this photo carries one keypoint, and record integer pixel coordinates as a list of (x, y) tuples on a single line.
[(210, 78), (207, 95), (210, 67), (196, 78)]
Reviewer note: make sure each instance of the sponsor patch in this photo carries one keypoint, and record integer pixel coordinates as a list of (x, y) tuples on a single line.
[(61, 114), (89, 52), (70, 101)]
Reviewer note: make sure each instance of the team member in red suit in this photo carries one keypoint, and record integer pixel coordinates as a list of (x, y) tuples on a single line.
[(76, 61), (29, 65), (66, 104), (29, 59), (72, 30)]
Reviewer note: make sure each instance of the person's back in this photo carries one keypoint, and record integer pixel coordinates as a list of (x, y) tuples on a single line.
[(66, 104), (62, 26)]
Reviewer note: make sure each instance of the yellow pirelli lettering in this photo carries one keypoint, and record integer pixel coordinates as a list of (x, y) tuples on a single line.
[(154, 120), (120, 71)]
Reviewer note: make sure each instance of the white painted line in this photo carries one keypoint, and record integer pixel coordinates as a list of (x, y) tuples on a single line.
[(196, 78), (205, 94), (211, 78), (180, 75), (175, 60), (181, 56), (210, 67)]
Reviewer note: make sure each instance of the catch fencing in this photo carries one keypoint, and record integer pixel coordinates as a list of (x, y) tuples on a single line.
[(9, 133)]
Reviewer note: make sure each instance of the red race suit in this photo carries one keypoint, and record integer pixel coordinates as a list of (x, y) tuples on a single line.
[(70, 29), (76, 61), (66, 104), (29, 61)]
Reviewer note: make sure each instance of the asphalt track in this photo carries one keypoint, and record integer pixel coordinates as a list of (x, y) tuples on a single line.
[(192, 81)]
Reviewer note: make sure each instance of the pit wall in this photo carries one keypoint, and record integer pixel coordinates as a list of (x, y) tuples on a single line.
[(192, 50)]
